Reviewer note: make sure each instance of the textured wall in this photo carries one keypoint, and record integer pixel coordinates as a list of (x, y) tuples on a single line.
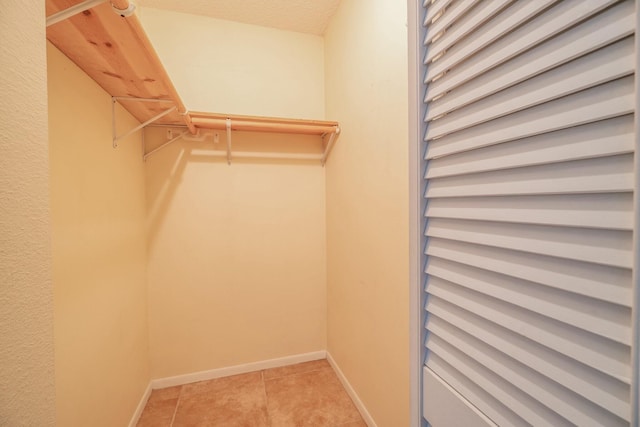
[(236, 255), (367, 204), (227, 67), (99, 253), (27, 393)]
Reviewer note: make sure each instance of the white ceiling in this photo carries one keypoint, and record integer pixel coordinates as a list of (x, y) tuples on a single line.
[(304, 16)]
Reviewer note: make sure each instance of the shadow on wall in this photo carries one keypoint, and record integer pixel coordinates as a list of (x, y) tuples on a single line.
[(167, 166)]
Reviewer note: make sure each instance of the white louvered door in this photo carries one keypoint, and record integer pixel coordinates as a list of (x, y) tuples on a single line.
[(529, 183)]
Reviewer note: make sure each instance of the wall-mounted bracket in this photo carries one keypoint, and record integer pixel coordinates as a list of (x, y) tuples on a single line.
[(171, 141), (333, 137), (71, 11), (126, 12), (332, 140), (228, 141), (115, 99)]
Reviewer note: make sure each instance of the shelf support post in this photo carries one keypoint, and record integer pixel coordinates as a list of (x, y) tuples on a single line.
[(330, 144), (228, 141)]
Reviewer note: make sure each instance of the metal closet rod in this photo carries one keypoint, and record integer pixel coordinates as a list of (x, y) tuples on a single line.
[(262, 124), (258, 155), (240, 125)]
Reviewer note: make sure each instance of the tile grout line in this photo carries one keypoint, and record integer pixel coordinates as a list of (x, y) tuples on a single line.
[(266, 398), (175, 410), (270, 421), (264, 385)]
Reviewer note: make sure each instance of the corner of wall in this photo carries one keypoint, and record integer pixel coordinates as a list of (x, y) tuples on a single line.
[(99, 252), (367, 204), (26, 295)]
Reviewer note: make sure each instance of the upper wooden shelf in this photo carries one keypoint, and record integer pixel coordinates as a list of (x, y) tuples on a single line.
[(116, 52)]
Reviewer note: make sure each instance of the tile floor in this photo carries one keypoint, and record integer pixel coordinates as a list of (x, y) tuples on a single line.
[(306, 394)]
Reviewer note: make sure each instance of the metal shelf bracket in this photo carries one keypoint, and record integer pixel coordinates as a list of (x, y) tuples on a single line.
[(115, 99), (332, 140)]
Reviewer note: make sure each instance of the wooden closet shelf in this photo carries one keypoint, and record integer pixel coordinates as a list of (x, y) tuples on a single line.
[(115, 51)]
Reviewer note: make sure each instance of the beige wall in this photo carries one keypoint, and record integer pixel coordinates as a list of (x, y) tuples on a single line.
[(99, 253), (237, 270), (236, 255), (367, 204), (27, 390), (228, 67)]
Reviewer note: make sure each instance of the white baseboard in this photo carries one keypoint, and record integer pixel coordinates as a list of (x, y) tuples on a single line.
[(366, 416), (235, 370), (143, 402)]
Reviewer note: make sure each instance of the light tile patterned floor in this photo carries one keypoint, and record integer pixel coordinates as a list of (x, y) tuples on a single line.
[(303, 395)]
